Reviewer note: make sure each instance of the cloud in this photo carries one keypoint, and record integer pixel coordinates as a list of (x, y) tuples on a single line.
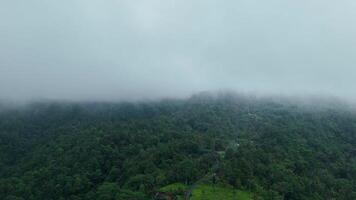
[(134, 49)]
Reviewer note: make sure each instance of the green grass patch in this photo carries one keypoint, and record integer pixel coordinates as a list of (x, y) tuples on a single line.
[(207, 192), (173, 188)]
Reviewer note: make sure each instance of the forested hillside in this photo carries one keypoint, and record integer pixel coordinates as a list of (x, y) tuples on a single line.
[(257, 148)]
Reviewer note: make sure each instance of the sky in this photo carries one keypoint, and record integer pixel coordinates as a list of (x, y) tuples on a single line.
[(147, 49)]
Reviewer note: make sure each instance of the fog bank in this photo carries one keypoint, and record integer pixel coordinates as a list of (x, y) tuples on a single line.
[(140, 49)]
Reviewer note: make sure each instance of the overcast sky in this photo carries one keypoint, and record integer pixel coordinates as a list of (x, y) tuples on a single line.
[(134, 49)]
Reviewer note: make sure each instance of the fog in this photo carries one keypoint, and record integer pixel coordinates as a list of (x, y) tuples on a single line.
[(147, 49)]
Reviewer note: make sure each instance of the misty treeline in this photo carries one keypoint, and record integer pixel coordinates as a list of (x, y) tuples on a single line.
[(113, 151)]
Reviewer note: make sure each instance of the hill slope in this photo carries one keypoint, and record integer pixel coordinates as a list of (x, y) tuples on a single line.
[(271, 149)]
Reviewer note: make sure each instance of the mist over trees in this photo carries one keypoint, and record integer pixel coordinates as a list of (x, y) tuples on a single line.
[(102, 100), (271, 149)]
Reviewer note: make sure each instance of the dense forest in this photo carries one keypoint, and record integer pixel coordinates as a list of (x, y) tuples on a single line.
[(262, 147)]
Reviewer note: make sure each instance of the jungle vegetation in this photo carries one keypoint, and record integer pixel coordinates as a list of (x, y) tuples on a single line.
[(262, 148)]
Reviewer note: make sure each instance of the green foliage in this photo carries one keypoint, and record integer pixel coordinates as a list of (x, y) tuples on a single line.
[(108, 191), (207, 192), (269, 149), (178, 188)]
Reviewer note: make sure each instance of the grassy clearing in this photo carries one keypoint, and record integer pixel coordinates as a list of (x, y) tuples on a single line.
[(207, 192), (173, 188)]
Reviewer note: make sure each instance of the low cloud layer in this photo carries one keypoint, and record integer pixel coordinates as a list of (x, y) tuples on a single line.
[(139, 49)]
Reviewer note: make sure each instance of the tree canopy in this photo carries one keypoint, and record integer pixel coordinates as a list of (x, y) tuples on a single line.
[(113, 151)]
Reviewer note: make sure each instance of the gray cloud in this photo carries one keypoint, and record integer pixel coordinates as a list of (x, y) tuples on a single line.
[(116, 49)]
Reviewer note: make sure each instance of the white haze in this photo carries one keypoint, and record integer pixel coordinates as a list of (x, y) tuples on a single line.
[(146, 49)]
